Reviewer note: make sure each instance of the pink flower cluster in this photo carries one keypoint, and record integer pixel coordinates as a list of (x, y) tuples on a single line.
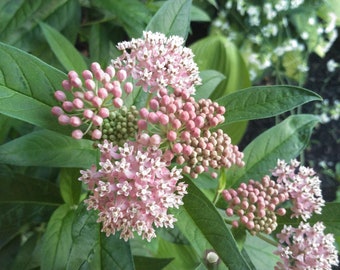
[(303, 187), (134, 186), (306, 247), (256, 205), (133, 190), (158, 62), (87, 100)]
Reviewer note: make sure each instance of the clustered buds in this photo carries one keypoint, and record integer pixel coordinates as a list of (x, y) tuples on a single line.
[(306, 247), (87, 100), (133, 190), (256, 205)]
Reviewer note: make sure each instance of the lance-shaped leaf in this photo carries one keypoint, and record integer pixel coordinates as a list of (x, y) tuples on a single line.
[(26, 88), (57, 240), (284, 141), (92, 249), (66, 53), (264, 101), (205, 229), (210, 80), (50, 149), (70, 186), (173, 18)]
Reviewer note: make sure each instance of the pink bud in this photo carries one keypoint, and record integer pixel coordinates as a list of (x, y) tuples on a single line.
[(97, 120), (168, 156), (56, 110), (214, 175), (177, 148), (67, 106), (184, 116), (171, 108), (180, 160), (187, 150), (59, 95), (153, 117), (144, 139), (96, 134), (196, 132), (77, 134), (106, 78), (171, 136), (111, 71), (142, 124), (128, 87), (199, 121), (121, 75), (281, 211), (117, 91), (118, 102), (143, 112), (75, 121), (87, 75), (78, 103), (63, 119), (89, 95), (104, 112), (95, 66), (226, 195), (102, 93), (66, 85), (176, 124), (72, 75), (99, 74), (185, 136), (165, 100), (155, 140), (229, 212), (234, 223), (164, 119), (109, 87), (90, 84), (97, 101), (88, 113), (154, 104), (76, 82), (214, 121)]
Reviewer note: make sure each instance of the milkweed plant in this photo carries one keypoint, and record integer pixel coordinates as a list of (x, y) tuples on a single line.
[(127, 157)]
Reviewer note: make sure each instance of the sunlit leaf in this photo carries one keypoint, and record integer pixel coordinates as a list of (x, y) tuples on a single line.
[(264, 101), (48, 148), (173, 18), (284, 141), (92, 249), (66, 53), (26, 88)]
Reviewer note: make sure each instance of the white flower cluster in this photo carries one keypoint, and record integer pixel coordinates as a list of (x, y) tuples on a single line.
[(275, 33)]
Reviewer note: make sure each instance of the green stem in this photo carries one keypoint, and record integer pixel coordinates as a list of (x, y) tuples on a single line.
[(266, 239)]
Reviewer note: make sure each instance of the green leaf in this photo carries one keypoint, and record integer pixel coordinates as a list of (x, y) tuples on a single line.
[(204, 227), (26, 88), (264, 101), (173, 18), (284, 141), (92, 250), (260, 253), (210, 80), (147, 263), (19, 23), (66, 53), (99, 44), (48, 148), (70, 186), (57, 240), (199, 15), (132, 15)]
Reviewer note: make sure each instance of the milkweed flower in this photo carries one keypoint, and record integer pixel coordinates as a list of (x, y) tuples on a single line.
[(158, 62), (256, 204), (133, 190), (306, 247), (89, 100), (303, 187)]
